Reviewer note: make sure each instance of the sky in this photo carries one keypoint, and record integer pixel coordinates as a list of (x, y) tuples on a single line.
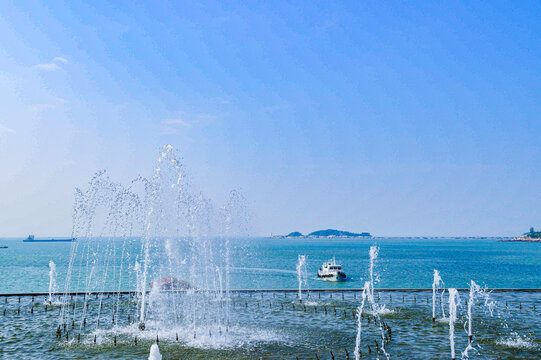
[(401, 118)]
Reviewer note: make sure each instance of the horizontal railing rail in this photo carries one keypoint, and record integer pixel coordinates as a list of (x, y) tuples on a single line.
[(128, 292)]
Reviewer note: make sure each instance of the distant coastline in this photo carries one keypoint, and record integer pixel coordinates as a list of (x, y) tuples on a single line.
[(325, 234), (502, 238), (340, 234), (523, 239)]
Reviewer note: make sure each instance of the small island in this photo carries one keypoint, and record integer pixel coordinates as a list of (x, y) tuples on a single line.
[(532, 236), (329, 233)]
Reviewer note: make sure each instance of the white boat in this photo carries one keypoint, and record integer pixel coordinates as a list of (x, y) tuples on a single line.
[(331, 271)]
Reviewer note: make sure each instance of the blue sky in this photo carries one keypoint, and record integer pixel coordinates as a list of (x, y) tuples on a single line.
[(398, 118)]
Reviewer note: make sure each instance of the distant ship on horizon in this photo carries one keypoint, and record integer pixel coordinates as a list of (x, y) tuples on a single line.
[(31, 238)]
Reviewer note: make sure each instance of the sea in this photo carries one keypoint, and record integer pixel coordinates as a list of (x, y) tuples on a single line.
[(270, 263), (275, 324)]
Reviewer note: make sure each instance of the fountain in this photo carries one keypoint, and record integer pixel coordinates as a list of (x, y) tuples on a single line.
[(374, 251), (376, 309), (435, 286), (475, 290), (454, 301), (160, 237), (52, 282), (155, 353), (301, 273), (366, 288)]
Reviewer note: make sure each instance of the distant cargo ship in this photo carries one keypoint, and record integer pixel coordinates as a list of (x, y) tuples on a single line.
[(31, 238)]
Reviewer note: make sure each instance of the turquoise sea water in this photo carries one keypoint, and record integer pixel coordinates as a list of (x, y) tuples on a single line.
[(260, 263)]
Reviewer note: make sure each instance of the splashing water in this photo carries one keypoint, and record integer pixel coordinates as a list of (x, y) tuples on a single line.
[(435, 286), (301, 273), (476, 291), (376, 308), (454, 301), (235, 215), (484, 293), (359, 320), (52, 281), (180, 266), (154, 353), (516, 341)]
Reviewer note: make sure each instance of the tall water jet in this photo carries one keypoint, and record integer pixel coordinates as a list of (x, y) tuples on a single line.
[(435, 286), (301, 273), (475, 291), (374, 251), (52, 281), (454, 301), (235, 218), (366, 288), (376, 309)]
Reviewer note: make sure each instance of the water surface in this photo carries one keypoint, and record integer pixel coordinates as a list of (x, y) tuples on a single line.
[(261, 263)]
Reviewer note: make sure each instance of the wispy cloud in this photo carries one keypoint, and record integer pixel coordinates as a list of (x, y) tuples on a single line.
[(53, 65), (4, 129), (203, 116), (177, 122), (42, 107), (48, 67), (47, 106), (175, 125), (60, 59)]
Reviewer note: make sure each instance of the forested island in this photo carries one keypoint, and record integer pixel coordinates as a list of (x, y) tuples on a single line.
[(329, 233), (532, 236)]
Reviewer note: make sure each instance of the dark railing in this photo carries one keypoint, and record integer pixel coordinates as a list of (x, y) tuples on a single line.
[(75, 293)]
